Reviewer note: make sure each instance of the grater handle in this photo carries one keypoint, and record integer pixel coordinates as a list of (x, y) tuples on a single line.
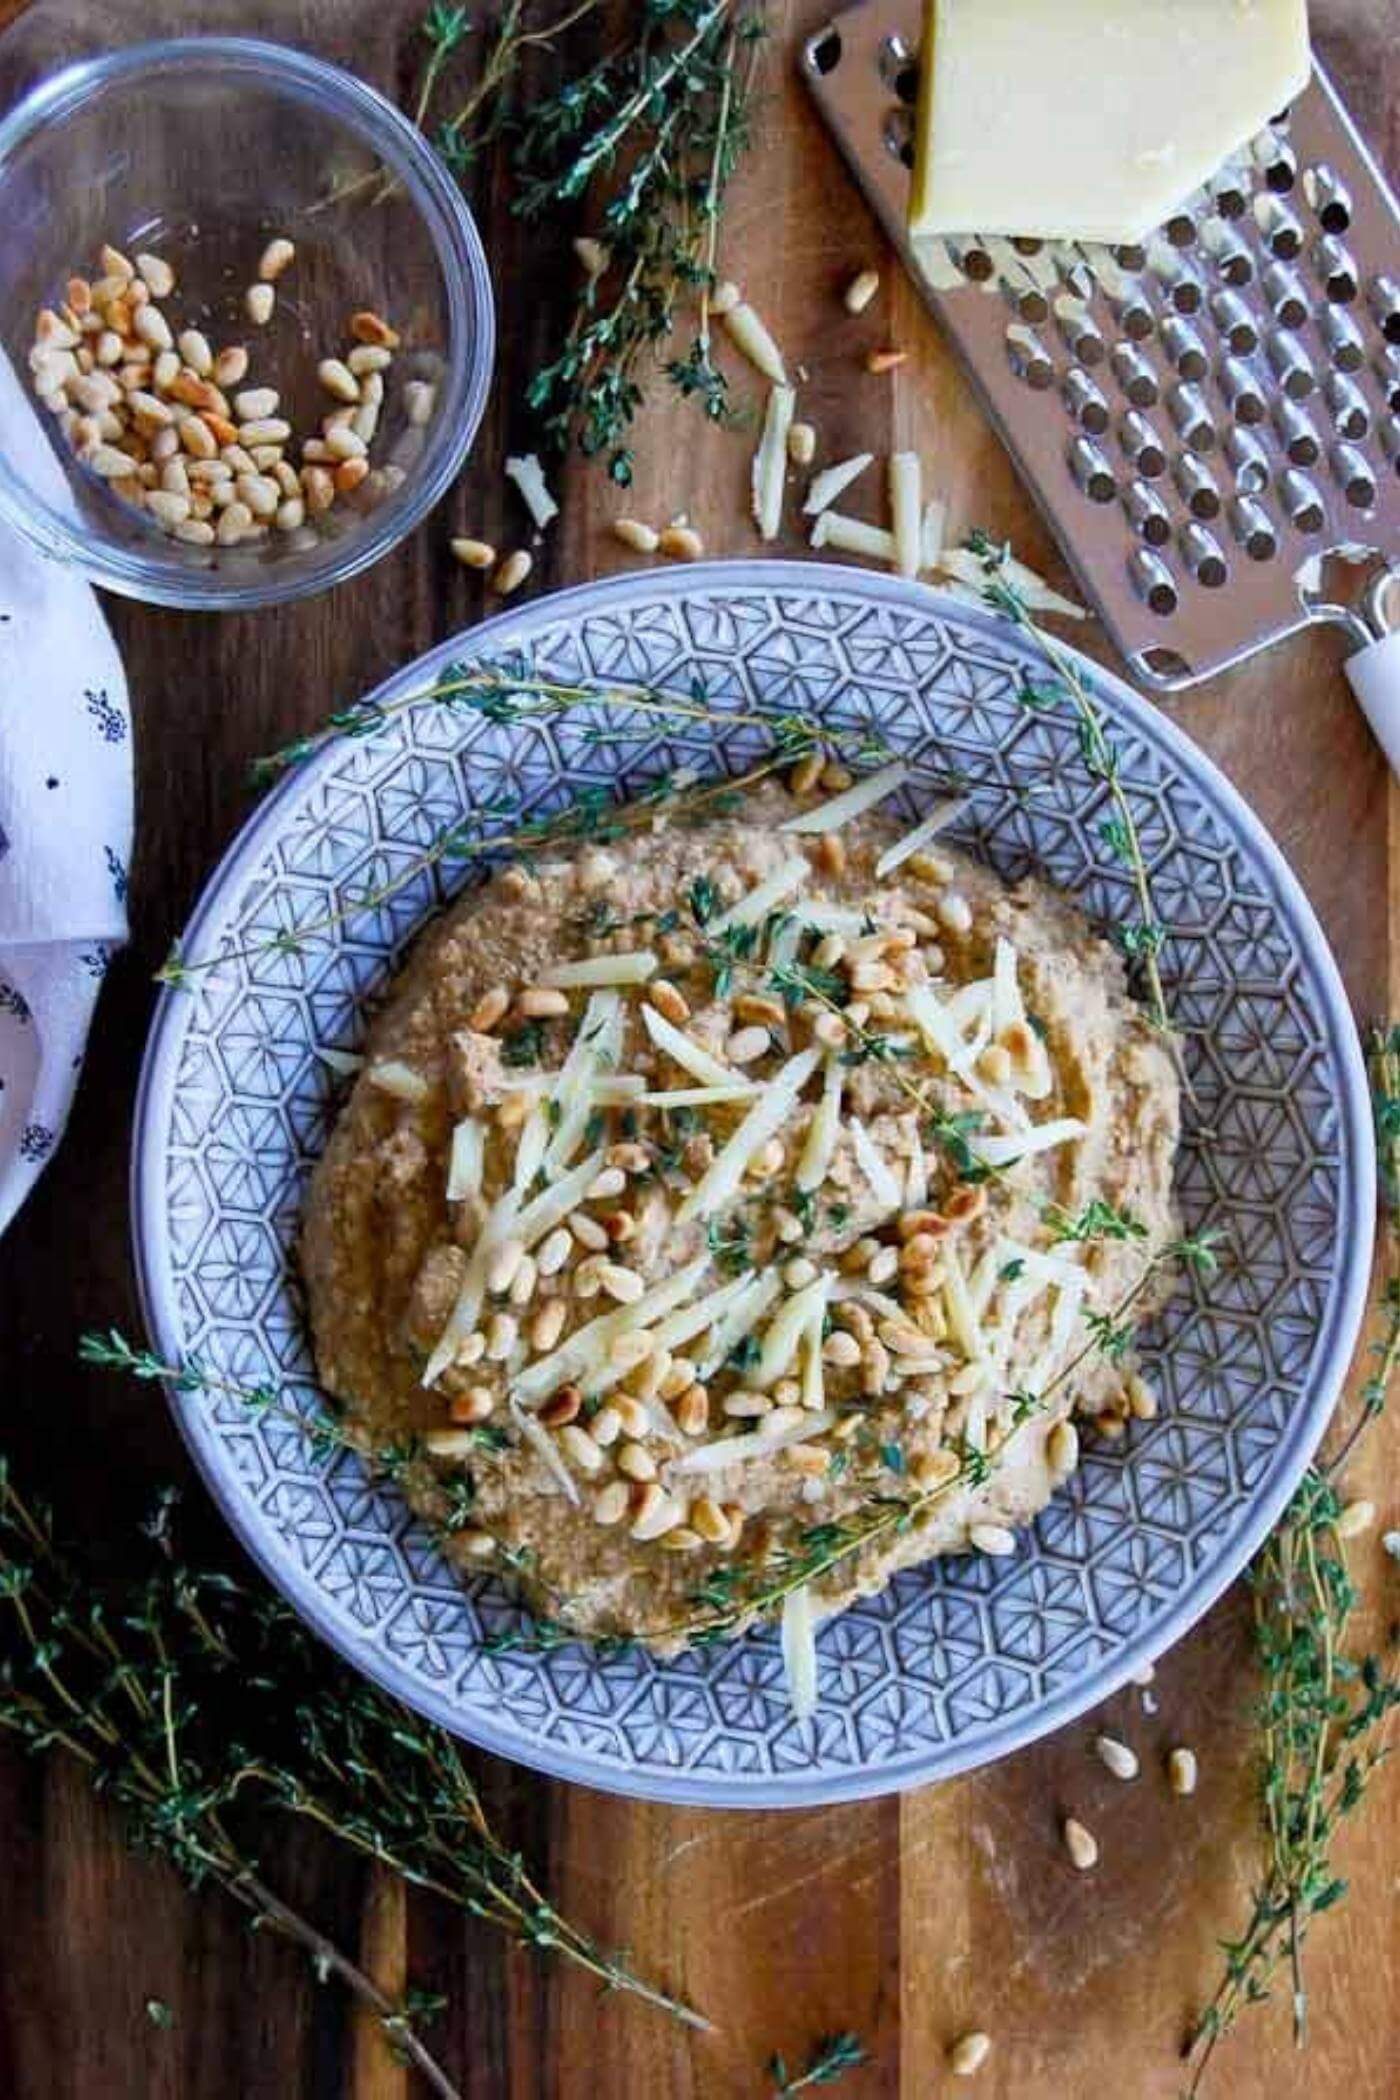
[(1374, 673)]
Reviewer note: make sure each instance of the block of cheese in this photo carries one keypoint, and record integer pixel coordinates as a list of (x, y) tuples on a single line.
[(1091, 119)]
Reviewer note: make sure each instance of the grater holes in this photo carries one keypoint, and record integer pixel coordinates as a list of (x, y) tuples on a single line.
[(1141, 446), (974, 262), (1196, 487), (1336, 269), (1390, 441), (1388, 373), (1290, 365), (1385, 307), (1152, 580), (1283, 289), (1092, 471), (1249, 462), (1030, 360), (1085, 401), (1328, 197), (1181, 230), (1134, 375), (1302, 502), (1240, 391), (824, 52), (1130, 256), (1253, 529), (1348, 406), (1204, 558), (1147, 514), (1353, 476), (1187, 407), (1280, 227), (1235, 322), (1345, 345), (1184, 347), (1296, 433), (899, 135), (1079, 329)]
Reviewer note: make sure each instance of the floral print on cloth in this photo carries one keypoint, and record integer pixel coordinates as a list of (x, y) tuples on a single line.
[(65, 821)]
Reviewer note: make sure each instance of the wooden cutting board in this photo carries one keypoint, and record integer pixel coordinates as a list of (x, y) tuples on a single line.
[(908, 1920)]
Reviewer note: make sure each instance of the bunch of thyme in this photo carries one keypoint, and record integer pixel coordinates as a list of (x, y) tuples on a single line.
[(201, 1705), (661, 123), (646, 138), (1324, 1714)]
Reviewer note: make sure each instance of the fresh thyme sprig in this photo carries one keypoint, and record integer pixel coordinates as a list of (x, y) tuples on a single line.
[(202, 1705), (1325, 1710), (828, 2061), (663, 122)]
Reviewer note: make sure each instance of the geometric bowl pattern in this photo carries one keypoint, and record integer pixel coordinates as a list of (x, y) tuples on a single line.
[(958, 1662)]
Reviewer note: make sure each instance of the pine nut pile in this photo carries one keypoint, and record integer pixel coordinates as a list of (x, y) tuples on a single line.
[(173, 425)]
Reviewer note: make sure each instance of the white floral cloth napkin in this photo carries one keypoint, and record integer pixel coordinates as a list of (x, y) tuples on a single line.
[(65, 823)]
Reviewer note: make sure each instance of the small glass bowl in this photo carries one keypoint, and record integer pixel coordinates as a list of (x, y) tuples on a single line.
[(202, 150)]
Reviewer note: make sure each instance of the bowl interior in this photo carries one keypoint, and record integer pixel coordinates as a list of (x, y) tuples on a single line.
[(201, 152)]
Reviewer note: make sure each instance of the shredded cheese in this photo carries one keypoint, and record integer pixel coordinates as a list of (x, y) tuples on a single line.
[(770, 462), (851, 802), (833, 481), (531, 1148), (916, 1174), (465, 1161), (751, 338), (700, 1096), (799, 1645), (823, 1131), (739, 1450), (938, 819), (933, 531), (634, 966), (692, 1057), (1006, 992), (739, 1318), (595, 1046), (722, 1177), (906, 501), (853, 536), (756, 903), (465, 1313), (528, 476), (995, 1151), (787, 1328), (963, 1323), (553, 1205), (400, 1080), (971, 570), (341, 1061), (872, 1165), (543, 1445)]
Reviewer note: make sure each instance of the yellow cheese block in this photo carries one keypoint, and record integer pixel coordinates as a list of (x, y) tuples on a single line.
[(1091, 119)]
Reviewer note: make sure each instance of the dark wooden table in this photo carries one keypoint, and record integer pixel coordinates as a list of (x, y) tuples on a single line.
[(906, 1919)]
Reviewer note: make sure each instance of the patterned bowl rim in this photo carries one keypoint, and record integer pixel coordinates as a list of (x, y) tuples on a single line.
[(1339, 1334)]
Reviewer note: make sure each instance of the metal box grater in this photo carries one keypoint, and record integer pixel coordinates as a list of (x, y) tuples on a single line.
[(1200, 418)]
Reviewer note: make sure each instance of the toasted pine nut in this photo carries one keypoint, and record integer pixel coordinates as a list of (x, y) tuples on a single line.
[(512, 572), (693, 1410), (1062, 1449), (490, 1008), (320, 489), (589, 1233), (656, 1514), (725, 297), (195, 532), (564, 1406), (264, 430), (258, 303), (337, 378), (472, 1406), (541, 1002), (236, 521), (861, 290), (801, 444), (169, 509), (636, 1462), (746, 1044), (642, 539), (157, 273), (350, 474), (152, 327), (681, 543), (995, 1540), (1081, 1844), (611, 1503), (585, 1451), (369, 327), (625, 1285), (1354, 1519), (291, 514), (419, 401), (368, 357), (842, 1350), (274, 259), (262, 496), (548, 1323), (115, 264), (1116, 1757), (1182, 1771), (553, 1252), (500, 1270), (230, 366), (885, 360), (342, 443), (593, 255), (256, 403), (970, 2051), (474, 554)]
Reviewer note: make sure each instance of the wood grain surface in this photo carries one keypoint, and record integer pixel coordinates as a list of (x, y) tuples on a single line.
[(908, 1920)]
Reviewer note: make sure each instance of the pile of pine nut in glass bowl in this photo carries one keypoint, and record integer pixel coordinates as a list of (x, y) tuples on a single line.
[(198, 437)]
